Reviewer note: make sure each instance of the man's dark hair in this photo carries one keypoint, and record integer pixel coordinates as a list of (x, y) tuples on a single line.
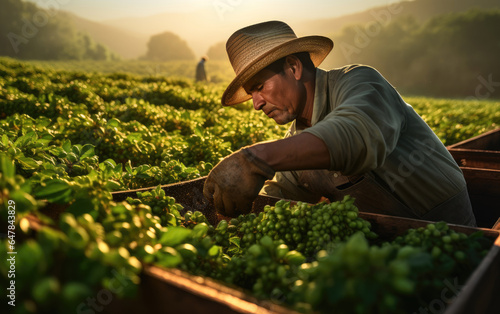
[(304, 57)]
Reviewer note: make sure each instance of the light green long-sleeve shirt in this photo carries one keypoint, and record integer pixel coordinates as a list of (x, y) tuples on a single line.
[(367, 126)]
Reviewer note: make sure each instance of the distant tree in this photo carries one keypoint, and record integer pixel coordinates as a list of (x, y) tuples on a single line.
[(217, 51), (30, 32), (449, 55), (168, 46), (95, 51)]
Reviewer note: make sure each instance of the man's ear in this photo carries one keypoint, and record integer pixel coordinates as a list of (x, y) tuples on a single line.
[(293, 63)]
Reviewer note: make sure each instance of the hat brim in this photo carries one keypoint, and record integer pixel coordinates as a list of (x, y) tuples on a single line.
[(317, 46)]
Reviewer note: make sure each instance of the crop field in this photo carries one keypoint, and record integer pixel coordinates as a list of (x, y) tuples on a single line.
[(69, 138)]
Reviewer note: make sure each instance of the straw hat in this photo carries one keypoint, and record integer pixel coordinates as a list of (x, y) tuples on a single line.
[(252, 48)]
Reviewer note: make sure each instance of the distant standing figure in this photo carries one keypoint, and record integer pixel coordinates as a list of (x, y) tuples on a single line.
[(201, 74)]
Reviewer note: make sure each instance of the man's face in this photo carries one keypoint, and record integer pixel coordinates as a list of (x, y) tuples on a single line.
[(278, 95)]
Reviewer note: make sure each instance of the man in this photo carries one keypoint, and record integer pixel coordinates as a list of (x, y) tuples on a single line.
[(351, 133), (201, 74)]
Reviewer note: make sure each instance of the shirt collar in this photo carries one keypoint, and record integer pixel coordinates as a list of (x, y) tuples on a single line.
[(320, 101), (320, 96)]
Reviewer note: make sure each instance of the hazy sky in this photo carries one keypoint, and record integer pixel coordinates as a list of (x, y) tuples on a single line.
[(204, 22), (100, 10)]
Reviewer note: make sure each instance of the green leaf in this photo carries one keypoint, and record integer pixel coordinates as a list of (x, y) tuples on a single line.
[(113, 123), (58, 152), (28, 163), (214, 251), (26, 139), (24, 201), (175, 236), (198, 130), (118, 170), (156, 190), (113, 185), (80, 206), (7, 167), (55, 191), (72, 157), (45, 139), (47, 159), (67, 146), (87, 151), (13, 151), (76, 149), (146, 194), (169, 258), (5, 140), (108, 163), (175, 211), (119, 209), (128, 167), (43, 122), (200, 230), (134, 137), (137, 147), (92, 176), (235, 241), (143, 168), (234, 250), (171, 220)]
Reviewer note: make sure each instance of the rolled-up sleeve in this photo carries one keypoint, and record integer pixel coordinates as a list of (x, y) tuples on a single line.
[(285, 184), (364, 126)]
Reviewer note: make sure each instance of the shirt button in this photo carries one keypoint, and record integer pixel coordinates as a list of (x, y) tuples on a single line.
[(335, 174)]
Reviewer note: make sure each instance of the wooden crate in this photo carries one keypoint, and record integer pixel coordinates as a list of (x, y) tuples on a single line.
[(174, 291), (479, 159), (483, 186), (477, 296), (481, 151)]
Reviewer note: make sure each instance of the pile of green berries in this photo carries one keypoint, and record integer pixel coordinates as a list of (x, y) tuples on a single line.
[(303, 227), (267, 269), (356, 278), (162, 206), (451, 254)]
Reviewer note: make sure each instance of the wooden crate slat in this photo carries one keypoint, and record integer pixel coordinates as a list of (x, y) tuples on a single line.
[(482, 151)]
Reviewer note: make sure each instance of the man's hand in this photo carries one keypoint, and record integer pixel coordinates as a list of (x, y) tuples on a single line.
[(236, 181)]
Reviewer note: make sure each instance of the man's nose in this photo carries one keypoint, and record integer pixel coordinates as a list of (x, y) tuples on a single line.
[(258, 101)]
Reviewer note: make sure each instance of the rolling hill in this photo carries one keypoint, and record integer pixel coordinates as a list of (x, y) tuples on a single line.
[(126, 43), (201, 29), (420, 9)]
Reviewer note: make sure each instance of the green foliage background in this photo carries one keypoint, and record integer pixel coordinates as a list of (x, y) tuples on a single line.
[(449, 55), (153, 123), (29, 32)]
